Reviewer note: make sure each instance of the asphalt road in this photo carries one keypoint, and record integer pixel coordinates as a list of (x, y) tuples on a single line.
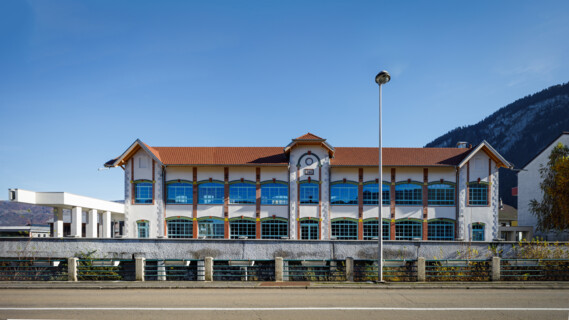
[(284, 304)]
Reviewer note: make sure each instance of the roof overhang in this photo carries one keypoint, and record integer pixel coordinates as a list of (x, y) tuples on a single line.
[(485, 147), (130, 152), (316, 142)]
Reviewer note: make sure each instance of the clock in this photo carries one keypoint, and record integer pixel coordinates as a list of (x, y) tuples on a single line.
[(309, 161)]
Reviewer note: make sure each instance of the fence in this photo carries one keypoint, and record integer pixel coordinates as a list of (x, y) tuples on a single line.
[(279, 269)]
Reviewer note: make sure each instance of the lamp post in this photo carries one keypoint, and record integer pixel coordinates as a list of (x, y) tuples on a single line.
[(382, 78)]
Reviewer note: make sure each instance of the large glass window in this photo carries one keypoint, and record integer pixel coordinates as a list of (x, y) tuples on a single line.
[(211, 193), (371, 194), (274, 229), (179, 192), (408, 194), (477, 194), (309, 230), (371, 230), (344, 230), (309, 193), (142, 229), (244, 193), (211, 228), (441, 230), (478, 232), (408, 230), (344, 193), (142, 192), (441, 194), (274, 193), (180, 228), (242, 228)]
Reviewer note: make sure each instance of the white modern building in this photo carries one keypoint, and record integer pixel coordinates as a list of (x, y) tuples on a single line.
[(529, 179), (310, 190)]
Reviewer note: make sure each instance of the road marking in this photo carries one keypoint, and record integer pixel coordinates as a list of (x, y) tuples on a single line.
[(282, 309)]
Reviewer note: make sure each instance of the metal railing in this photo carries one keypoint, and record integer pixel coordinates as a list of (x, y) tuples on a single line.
[(393, 270), (174, 270), (534, 269), (244, 270), (314, 270), (33, 269), (105, 269), (458, 270)]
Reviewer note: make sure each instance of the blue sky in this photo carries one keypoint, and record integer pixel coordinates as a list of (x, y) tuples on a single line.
[(81, 80)]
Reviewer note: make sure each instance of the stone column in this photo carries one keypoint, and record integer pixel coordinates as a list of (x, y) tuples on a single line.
[(57, 222), (106, 225), (139, 267), (92, 220), (495, 268), (72, 269), (76, 222), (208, 269), (421, 274), (279, 269), (350, 269)]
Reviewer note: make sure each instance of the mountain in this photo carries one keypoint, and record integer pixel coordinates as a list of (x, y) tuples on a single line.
[(21, 214), (518, 131)]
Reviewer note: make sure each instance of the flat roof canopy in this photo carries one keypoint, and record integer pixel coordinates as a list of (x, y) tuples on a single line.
[(64, 200)]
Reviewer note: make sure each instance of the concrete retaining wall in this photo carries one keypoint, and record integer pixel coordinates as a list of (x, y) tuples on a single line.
[(246, 249)]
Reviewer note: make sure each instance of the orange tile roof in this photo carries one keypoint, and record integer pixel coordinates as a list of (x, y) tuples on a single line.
[(309, 136), (344, 156)]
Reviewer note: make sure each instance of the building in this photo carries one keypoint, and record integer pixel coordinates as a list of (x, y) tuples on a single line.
[(529, 179), (29, 231), (310, 190)]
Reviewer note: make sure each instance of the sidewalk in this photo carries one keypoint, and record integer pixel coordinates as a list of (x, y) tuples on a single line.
[(99, 285)]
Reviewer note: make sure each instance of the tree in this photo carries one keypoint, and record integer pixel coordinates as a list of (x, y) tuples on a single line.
[(553, 211)]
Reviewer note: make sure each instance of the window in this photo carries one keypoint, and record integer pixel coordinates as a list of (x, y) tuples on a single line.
[(309, 230), (477, 194), (243, 193), (180, 192), (371, 228), (211, 228), (408, 230), (274, 193), (478, 232), (180, 228), (344, 230), (143, 192), (370, 194), (441, 230), (344, 193), (309, 193), (211, 193), (274, 228), (142, 226), (441, 194), (408, 193), (242, 228)]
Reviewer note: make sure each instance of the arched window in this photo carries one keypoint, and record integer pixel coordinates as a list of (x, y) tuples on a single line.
[(242, 228), (274, 193), (408, 194), (309, 193), (371, 196), (371, 229), (212, 228), (180, 228), (309, 230), (441, 194), (242, 193), (211, 193), (344, 193), (142, 226), (441, 230), (179, 192), (344, 229), (408, 230), (274, 228), (478, 232), (477, 194), (142, 191)]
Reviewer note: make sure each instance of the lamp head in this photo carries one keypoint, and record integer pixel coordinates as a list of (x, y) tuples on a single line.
[(382, 78)]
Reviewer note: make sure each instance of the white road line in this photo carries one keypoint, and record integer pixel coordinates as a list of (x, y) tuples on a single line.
[(282, 309)]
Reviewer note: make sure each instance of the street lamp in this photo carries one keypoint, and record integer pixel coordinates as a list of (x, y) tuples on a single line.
[(382, 78)]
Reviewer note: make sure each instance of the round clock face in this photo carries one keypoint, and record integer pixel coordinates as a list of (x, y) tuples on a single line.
[(309, 161)]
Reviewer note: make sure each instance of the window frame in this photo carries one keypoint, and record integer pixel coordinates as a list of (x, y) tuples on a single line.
[(216, 225), (477, 186), (268, 225), (386, 198), (409, 201), (349, 187), (211, 185), (414, 224), (311, 224), (179, 224), (267, 187), (137, 185), (186, 183), (372, 223), (306, 184), (145, 226), (478, 234), (340, 225), (242, 227), (436, 192), (242, 192), (434, 232)]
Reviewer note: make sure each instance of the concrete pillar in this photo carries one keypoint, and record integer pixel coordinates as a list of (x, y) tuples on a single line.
[(76, 222), (279, 269), (208, 266), (139, 267), (106, 224), (92, 220), (496, 268), (350, 269), (57, 222), (421, 273), (72, 269)]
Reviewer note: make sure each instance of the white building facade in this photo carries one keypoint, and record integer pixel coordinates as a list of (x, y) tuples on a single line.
[(529, 179), (312, 191)]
